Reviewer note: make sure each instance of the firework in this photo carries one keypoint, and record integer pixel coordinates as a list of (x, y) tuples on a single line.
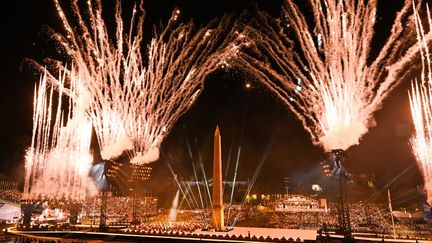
[(420, 97), (135, 97), (323, 70), (59, 159)]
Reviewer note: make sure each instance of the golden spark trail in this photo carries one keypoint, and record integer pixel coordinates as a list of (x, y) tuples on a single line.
[(420, 97), (59, 158), (135, 97), (323, 70)]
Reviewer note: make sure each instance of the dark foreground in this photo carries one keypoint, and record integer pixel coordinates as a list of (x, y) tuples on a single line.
[(12, 235)]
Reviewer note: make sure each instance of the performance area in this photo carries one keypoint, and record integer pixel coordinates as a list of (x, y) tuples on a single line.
[(290, 217)]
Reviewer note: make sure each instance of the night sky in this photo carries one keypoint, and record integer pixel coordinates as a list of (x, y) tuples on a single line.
[(250, 117)]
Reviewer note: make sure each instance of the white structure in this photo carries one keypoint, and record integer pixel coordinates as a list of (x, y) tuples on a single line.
[(9, 213), (299, 203)]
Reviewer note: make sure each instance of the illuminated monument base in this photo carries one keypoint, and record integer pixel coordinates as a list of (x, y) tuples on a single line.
[(218, 218)]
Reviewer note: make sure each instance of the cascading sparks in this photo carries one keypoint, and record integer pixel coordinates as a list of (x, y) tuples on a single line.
[(420, 97), (59, 159), (135, 98), (326, 74)]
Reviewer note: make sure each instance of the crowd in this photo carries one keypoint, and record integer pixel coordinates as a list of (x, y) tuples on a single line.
[(10, 195), (120, 210), (372, 218), (238, 213), (412, 230), (170, 227), (185, 221), (301, 220), (365, 218)]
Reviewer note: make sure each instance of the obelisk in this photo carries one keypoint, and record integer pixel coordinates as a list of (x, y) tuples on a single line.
[(218, 212)]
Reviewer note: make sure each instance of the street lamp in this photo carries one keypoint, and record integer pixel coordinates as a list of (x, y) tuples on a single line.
[(286, 182)]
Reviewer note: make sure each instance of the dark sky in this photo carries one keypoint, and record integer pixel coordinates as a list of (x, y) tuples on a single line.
[(384, 150)]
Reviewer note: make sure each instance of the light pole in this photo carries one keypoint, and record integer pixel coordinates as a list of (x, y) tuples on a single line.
[(135, 220), (286, 180), (340, 173), (94, 212)]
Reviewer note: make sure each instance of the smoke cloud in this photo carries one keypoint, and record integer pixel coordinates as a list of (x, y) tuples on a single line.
[(150, 156), (113, 151), (343, 137)]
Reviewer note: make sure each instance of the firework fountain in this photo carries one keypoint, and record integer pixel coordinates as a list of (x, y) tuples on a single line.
[(325, 72), (420, 97), (135, 98), (59, 159)]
